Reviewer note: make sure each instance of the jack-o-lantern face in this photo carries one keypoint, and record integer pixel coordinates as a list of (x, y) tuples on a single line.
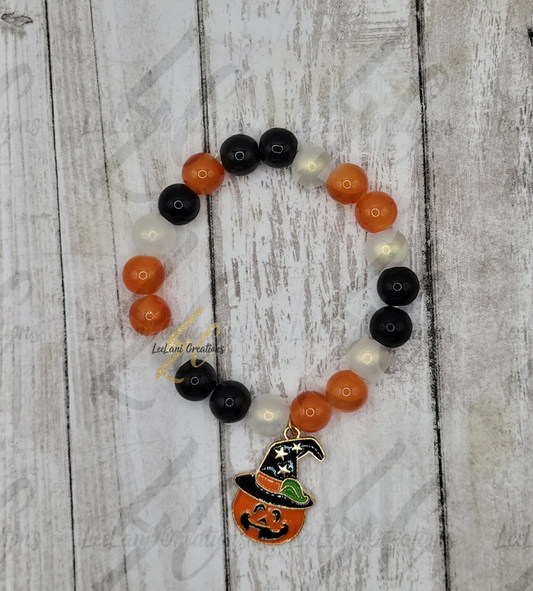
[(266, 523)]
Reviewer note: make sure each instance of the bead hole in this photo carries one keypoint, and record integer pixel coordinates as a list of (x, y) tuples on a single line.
[(277, 148), (195, 381), (239, 155), (178, 204), (390, 327), (229, 402)]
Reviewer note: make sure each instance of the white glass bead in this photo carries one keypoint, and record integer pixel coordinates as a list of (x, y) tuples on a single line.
[(386, 247), (153, 235), (312, 166), (268, 415), (367, 358)]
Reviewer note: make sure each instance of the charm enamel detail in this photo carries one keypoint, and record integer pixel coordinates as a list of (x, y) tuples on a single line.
[(270, 505)]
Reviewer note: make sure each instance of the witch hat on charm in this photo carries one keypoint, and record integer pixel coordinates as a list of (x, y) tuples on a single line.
[(270, 505)]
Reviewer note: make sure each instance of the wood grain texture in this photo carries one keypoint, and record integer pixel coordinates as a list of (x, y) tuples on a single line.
[(36, 547), (127, 502), (127, 487), (299, 289), (479, 145)]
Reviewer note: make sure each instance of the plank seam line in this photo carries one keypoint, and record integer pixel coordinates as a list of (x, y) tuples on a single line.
[(104, 152), (65, 345), (430, 292), (106, 175), (204, 99)]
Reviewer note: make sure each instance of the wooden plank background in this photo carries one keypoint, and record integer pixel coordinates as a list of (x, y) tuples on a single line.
[(109, 480)]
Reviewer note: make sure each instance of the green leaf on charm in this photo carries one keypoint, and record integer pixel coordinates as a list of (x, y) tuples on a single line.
[(291, 488)]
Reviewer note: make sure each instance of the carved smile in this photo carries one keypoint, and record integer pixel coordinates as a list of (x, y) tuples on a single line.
[(265, 533)]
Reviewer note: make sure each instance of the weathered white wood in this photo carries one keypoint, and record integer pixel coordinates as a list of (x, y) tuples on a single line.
[(479, 146), (135, 86), (299, 289), (36, 538), (142, 458)]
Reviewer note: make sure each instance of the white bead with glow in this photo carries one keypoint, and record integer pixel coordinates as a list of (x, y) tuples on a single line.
[(367, 358), (384, 248), (153, 235), (312, 166), (268, 415)]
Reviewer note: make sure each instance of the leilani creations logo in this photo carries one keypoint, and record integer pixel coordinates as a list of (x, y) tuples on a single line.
[(176, 348)]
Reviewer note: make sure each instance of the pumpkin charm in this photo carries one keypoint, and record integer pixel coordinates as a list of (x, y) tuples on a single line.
[(271, 503)]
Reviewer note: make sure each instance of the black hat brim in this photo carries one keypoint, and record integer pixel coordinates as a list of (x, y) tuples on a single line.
[(248, 484)]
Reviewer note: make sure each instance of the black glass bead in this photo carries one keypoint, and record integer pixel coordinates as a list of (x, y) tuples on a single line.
[(391, 327), (198, 382), (278, 147), (230, 401), (240, 154), (398, 286), (178, 204)]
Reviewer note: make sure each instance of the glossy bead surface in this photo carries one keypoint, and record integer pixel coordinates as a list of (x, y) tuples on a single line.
[(391, 327), (278, 147), (386, 247), (150, 315), (367, 358), (310, 411), (153, 235), (240, 154), (202, 173), (178, 204), (376, 211), (143, 275), (398, 286), (346, 391), (268, 415), (198, 382), (230, 401), (347, 183), (312, 166)]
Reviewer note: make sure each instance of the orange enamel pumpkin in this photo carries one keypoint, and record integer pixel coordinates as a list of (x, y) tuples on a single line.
[(266, 523)]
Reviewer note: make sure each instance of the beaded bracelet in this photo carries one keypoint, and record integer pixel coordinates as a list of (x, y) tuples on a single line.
[(270, 504)]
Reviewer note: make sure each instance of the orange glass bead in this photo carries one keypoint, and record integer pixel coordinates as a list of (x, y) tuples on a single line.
[(376, 211), (202, 173), (143, 275), (310, 411), (150, 315), (347, 183), (346, 391)]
